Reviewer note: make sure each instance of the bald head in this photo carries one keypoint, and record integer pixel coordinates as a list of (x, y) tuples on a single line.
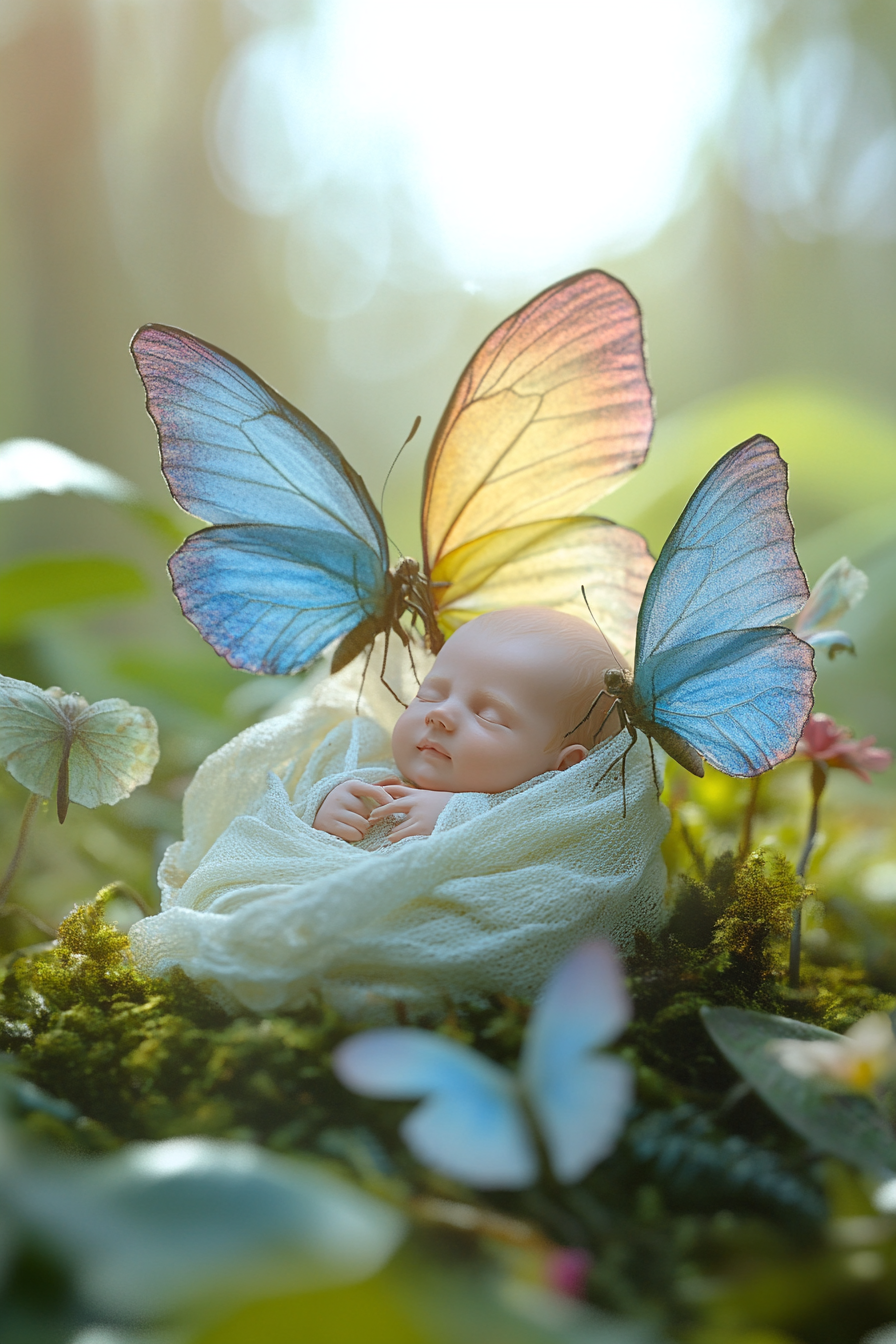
[(566, 655)]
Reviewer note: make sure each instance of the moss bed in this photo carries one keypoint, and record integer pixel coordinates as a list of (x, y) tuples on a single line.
[(711, 1218)]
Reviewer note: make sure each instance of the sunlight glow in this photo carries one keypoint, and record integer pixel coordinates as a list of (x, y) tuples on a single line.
[(512, 139)]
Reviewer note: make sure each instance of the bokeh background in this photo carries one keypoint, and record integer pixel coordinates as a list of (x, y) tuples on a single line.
[(348, 195)]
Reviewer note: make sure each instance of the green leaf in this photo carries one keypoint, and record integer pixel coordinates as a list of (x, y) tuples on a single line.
[(157, 1227), (48, 583), (33, 466), (55, 743), (846, 1124)]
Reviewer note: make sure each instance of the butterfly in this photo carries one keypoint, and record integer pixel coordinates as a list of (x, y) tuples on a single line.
[(553, 410), (55, 743), (476, 1121), (716, 675)]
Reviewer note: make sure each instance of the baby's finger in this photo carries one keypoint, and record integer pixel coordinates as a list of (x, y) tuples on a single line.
[(399, 790), (388, 809), (357, 822), (343, 831), (366, 793), (407, 828)]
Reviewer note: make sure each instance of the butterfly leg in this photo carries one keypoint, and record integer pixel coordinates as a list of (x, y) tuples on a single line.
[(594, 702), (658, 784), (620, 760), (363, 677), (390, 626), (413, 664)]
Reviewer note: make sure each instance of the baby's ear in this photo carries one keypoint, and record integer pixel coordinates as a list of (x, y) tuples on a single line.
[(571, 755)]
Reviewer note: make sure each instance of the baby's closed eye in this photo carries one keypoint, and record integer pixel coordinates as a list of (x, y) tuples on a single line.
[(491, 715)]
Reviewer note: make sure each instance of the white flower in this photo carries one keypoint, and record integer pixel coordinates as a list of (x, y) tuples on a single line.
[(863, 1057)]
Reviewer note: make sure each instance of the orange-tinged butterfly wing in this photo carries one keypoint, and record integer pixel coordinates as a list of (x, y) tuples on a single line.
[(546, 564), (553, 411)]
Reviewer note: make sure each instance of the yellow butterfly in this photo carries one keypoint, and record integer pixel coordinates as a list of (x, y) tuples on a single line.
[(552, 412)]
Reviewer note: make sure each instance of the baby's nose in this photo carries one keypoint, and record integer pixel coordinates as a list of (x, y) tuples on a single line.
[(441, 715)]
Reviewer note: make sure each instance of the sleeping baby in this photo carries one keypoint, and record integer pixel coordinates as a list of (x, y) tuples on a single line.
[(506, 700), (503, 845)]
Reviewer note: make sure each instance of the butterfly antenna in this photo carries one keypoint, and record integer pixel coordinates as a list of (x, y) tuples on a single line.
[(597, 626), (414, 427)]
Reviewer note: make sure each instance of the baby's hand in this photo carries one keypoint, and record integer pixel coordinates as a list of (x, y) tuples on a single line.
[(346, 810), (422, 807)]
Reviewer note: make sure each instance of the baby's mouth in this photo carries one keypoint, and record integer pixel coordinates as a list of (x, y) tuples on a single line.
[(426, 745)]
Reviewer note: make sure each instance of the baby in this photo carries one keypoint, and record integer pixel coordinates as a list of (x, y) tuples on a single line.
[(504, 702)]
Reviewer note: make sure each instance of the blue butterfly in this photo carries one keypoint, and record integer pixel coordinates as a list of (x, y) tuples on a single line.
[(716, 675), (553, 411), (476, 1120)]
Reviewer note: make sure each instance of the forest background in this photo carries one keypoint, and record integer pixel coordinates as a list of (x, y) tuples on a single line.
[(348, 196)]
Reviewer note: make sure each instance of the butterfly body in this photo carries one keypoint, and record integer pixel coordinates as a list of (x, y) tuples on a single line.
[(406, 591), (478, 1121), (716, 676), (636, 716), (553, 411)]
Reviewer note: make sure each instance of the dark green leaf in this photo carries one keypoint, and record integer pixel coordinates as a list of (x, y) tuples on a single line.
[(846, 1124)]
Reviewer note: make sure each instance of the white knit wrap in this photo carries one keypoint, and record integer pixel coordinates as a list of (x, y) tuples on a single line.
[(264, 911)]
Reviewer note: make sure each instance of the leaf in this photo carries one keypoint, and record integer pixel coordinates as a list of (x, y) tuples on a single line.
[(33, 466), (57, 743), (158, 1226), (48, 583), (845, 1124)]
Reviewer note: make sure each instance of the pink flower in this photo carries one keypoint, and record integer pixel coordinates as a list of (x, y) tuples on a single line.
[(824, 741), (566, 1270)]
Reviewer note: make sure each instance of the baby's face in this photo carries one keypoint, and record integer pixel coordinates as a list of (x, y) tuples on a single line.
[(485, 718)]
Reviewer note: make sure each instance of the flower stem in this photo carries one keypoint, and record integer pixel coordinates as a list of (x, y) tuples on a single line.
[(27, 818), (819, 780), (746, 832)]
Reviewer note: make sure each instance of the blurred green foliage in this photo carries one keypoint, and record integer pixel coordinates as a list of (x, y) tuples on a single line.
[(711, 1216), (44, 584), (761, 317)]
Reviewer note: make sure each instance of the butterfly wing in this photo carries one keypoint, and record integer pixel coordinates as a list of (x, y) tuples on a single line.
[(553, 410), (741, 698), (580, 1100), (547, 564), (115, 749), (707, 664), (32, 735), (237, 454), (270, 599), (470, 1125)]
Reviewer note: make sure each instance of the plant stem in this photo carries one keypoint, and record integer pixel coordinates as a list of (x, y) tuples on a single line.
[(27, 818), (32, 918), (125, 889), (746, 833), (819, 779)]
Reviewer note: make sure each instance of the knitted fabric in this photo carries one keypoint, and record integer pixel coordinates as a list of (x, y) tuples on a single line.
[(266, 912)]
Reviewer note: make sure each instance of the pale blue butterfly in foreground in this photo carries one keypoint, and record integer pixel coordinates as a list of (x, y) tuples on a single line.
[(476, 1121), (717, 676)]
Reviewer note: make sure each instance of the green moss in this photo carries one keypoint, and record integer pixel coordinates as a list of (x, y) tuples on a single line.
[(143, 1058)]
